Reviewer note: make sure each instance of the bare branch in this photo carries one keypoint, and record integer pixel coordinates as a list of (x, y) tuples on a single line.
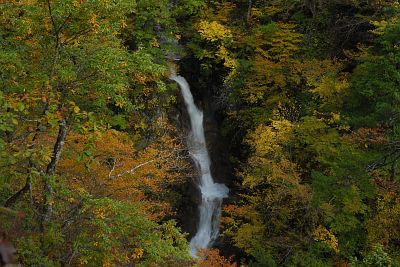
[(130, 171), (112, 168), (27, 188)]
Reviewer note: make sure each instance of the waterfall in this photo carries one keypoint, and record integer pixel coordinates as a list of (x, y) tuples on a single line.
[(211, 193)]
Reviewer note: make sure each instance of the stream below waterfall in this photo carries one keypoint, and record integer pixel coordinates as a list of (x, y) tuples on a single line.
[(212, 193)]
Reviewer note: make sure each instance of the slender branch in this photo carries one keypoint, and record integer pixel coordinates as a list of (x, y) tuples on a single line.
[(57, 39), (52, 18), (249, 11), (11, 201), (79, 33), (112, 168), (132, 170), (64, 22)]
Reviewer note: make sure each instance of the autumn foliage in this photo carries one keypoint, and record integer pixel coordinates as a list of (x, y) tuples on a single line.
[(94, 169)]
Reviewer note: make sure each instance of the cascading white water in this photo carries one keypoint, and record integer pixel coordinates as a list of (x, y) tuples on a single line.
[(211, 193)]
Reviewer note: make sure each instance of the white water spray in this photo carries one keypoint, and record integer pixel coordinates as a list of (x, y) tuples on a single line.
[(211, 193)]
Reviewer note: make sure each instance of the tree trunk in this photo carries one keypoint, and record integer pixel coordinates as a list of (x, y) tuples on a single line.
[(249, 10), (48, 189)]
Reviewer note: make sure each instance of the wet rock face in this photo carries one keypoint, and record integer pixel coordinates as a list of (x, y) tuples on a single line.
[(187, 211), (218, 149)]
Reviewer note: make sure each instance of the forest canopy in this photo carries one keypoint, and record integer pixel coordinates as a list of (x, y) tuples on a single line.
[(304, 96)]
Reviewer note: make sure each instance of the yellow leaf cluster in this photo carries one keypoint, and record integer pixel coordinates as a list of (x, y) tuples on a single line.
[(284, 43), (93, 22), (331, 89), (213, 31), (77, 3), (269, 139), (383, 24), (223, 54), (324, 235), (99, 213), (137, 253)]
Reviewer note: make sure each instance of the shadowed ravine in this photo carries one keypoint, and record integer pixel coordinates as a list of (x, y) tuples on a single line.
[(211, 193)]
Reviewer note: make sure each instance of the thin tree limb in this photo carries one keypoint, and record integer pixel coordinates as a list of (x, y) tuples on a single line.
[(130, 171), (11, 201)]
